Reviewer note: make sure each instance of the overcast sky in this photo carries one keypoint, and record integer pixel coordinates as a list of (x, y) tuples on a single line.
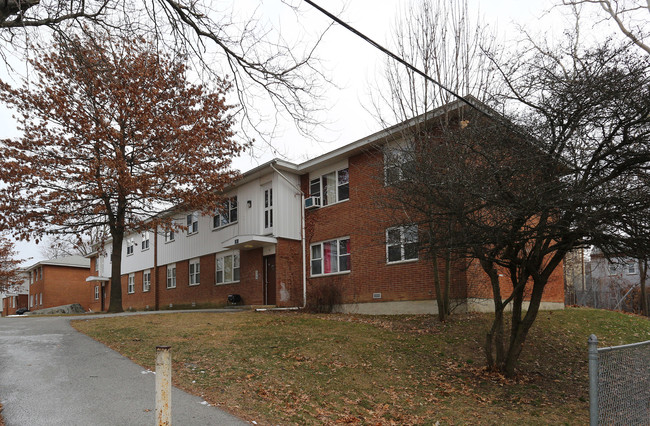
[(353, 65)]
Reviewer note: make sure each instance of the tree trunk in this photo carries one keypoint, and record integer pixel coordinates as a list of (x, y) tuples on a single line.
[(447, 282), (442, 313), (494, 338), (115, 303)]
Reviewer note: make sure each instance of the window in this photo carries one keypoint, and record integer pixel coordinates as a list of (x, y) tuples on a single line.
[(130, 244), (41, 297), (227, 269), (131, 284), (330, 257), (97, 264), (227, 214), (332, 187), (169, 234), (402, 243), (612, 268), (631, 268), (31, 300), (192, 223), (171, 276), (145, 241), (146, 280), (96, 292), (40, 272), (268, 208), (398, 164), (195, 271)]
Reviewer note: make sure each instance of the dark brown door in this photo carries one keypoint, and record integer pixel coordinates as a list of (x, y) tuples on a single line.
[(269, 280)]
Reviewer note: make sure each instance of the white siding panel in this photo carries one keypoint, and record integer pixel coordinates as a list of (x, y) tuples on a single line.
[(139, 260), (287, 207)]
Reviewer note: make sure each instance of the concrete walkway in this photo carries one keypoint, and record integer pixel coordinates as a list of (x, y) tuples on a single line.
[(52, 375)]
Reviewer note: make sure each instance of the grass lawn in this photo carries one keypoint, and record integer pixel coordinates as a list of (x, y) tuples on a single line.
[(295, 368)]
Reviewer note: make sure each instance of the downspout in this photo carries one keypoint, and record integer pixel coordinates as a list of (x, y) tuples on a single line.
[(302, 231), (156, 296)]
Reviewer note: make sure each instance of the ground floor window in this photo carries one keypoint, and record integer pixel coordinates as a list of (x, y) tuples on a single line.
[(96, 292), (330, 257), (131, 284), (171, 276), (146, 280), (402, 243), (195, 271), (227, 268)]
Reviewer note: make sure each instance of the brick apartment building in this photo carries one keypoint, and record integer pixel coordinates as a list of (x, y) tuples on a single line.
[(286, 229), (59, 282), (16, 297)]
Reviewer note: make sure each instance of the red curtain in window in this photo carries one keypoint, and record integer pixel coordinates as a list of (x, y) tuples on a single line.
[(327, 258)]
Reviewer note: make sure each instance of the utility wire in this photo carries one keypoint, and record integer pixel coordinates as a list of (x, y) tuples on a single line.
[(393, 55)]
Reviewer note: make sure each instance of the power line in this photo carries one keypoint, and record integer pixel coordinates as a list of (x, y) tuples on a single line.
[(392, 55)]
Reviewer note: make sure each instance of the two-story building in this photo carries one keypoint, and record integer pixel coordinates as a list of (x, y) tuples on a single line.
[(15, 297), (285, 229)]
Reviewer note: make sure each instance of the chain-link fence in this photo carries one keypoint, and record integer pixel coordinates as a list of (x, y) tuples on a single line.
[(619, 384)]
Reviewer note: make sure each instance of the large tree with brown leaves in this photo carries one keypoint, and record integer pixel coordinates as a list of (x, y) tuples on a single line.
[(112, 133)]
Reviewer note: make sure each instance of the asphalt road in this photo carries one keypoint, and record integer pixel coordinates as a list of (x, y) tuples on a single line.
[(52, 375)]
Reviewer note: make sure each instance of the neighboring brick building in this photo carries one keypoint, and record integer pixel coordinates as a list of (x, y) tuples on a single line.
[(15, 297), (59, 282), (288, 228)]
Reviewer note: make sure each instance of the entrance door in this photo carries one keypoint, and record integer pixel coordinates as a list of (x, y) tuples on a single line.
[(269, 280)]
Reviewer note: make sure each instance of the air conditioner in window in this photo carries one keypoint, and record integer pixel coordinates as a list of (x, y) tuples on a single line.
[(312, 202)]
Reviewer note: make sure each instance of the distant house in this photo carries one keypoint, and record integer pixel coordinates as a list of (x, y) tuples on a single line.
[(16, 297), (615, 282), (59, 282), (287, 229)]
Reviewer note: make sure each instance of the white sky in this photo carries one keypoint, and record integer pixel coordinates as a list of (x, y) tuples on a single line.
[(353, 65)]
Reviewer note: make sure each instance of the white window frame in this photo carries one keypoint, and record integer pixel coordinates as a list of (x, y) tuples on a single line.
[(130, 247), (146, 280), (316, 186), (97, 264), (41, 298), (130, 286), (631, 268), (171, 276), (170, 235), (395, 159), (145, 241), (194, 269), (267, 206), (96, 292), (192, 220), (31, 300), (227, 215), (222, 275), (402, 243), (320, 261), (612, 268)]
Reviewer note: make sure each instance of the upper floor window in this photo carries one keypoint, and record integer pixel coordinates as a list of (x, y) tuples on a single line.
[(130, 244), (612, 268), (97, 264), (331, 187), (130, 288), (171, 276), (145, 240), (330, 257), (268, 208), (195, 271), (192, 223), (399, 163), (227, 268), (146, 280), (402, 243), (631, 268), (169, 234), (227, 214)]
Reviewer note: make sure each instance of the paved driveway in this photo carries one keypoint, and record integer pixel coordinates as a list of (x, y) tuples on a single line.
[(52, 375)]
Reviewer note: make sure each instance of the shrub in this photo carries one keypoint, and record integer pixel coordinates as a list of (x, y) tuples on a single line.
[(323, 297)]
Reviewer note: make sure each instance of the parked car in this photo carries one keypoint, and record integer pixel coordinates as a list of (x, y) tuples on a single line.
[(21, 311)]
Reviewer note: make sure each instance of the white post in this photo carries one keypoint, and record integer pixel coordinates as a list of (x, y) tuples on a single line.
[(163, 386)]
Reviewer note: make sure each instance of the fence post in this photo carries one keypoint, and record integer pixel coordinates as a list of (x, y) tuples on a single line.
[(593, 380), (163, 386)]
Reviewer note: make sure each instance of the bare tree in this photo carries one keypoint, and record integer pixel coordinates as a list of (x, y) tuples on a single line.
[(57, 246), (442, 39), (9, 263), (632, 17), (260, 61)]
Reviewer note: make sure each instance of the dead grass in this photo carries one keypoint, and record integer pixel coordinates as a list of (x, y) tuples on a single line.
[(295, 368)]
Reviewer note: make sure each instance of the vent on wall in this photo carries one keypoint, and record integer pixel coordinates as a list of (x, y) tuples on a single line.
[(376, 295)]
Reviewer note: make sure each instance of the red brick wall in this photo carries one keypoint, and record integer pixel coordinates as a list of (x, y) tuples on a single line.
[(288, 272), (62, 285), (8, 307), (365, 222)]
